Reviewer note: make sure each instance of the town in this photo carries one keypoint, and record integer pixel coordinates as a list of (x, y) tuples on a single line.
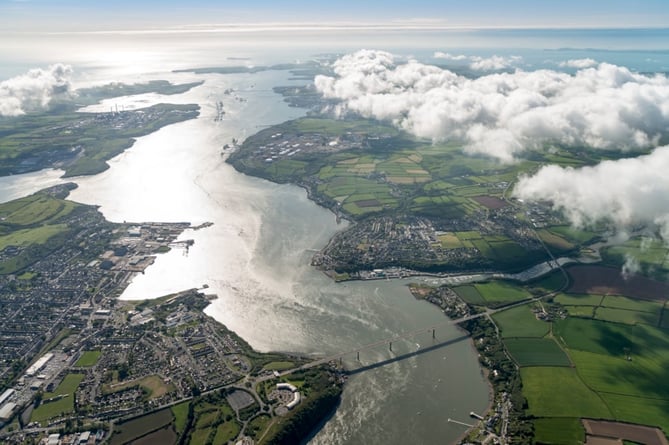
[(76, 360)]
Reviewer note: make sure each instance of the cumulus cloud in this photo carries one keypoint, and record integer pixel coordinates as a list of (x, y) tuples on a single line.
[(494, 63), (503, 114), (33, 90), (627, 193), (448, 56), (578, 63)]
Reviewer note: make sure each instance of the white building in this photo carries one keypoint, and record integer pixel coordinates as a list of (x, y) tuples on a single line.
[(39, 364)]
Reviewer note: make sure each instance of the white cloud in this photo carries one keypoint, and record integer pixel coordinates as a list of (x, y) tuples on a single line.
[(502, 114), (33, 90), (494, 63), (627, 193), (448, 56), (578, 63)]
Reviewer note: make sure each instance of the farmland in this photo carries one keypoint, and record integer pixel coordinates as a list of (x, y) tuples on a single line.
[(559, 392), (606, 359), (536, 352), (520, 322), (409, 195), (559, 431), (33, 226)]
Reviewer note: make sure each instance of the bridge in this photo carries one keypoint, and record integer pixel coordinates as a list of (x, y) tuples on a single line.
[(404, 336)]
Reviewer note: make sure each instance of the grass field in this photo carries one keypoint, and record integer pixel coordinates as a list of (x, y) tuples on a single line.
[(579, 299), (581, 311), (88, 359), (644, 411), (594, 336), (555, 242), (63, 405), (574, 235), (559, 431), (549, 283), (279, 366), (257, 426), (559, 392), (652, 307), (626, 316), (625, 365), (520, 322), (27, 237), (536, 352), (612, 308), (499, 292), (154, 385), (470, 294), (225, 432), (180, 414), (34, 225)]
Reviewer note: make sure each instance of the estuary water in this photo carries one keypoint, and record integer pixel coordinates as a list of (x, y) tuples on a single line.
[(256, 259)]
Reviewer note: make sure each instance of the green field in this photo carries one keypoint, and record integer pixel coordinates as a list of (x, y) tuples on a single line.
[(88, 358), (549, 283), (279, 366), (470, 295), (639, 410), (499, 292), (28, 237), (132, 429), (581, 311), (594, 336), (651, 254), (520, 322), (579, 299), (257, 426), (225, 432), (558, 431), (554, 241), (626, 316), (33, 226), (625, 365), (652, 307), (180, 414), (63, 405), (559, 392), (536, 352)]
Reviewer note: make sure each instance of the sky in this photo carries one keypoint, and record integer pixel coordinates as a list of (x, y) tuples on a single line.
[(87, 15)]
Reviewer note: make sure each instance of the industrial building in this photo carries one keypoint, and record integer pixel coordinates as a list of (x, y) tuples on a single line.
[(39, 364)]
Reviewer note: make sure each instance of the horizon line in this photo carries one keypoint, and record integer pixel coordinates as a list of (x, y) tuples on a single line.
[(328, 26)]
